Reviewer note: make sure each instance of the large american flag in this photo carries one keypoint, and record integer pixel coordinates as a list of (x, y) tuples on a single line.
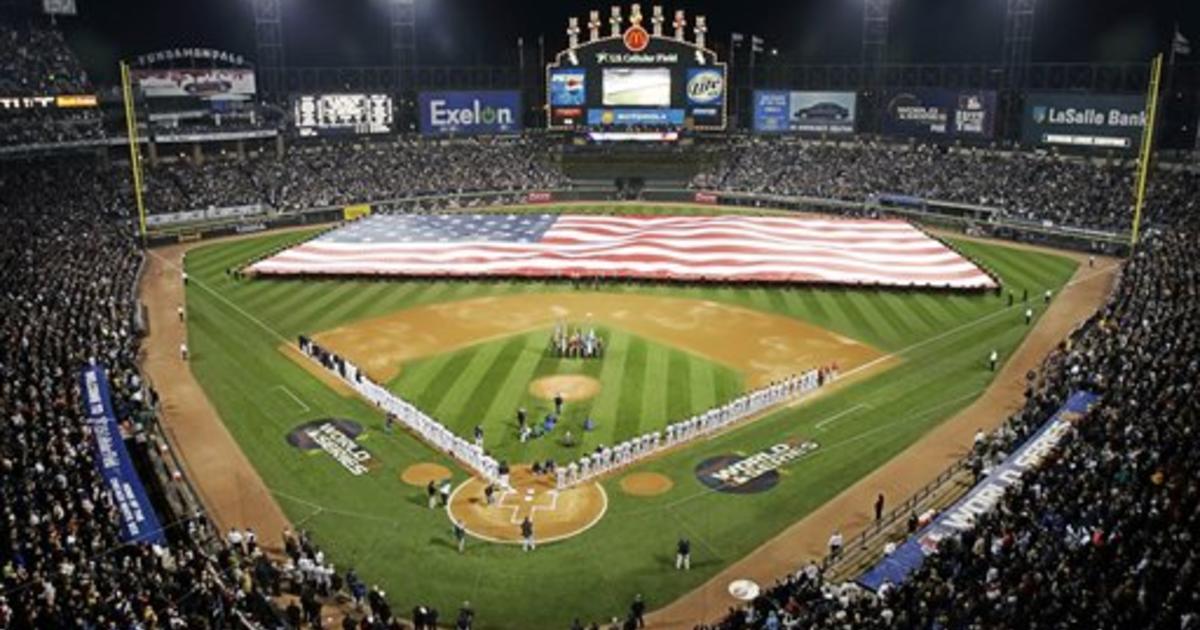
[(698, 248)]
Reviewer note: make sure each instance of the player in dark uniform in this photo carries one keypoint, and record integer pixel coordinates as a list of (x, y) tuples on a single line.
[(683, 555), (527, 543)]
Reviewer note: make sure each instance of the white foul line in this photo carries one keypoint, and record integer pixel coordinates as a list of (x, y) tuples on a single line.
[(845, 412), (293, 396)]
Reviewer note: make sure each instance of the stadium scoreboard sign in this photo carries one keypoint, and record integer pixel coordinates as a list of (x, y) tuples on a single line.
[(470, 113), (342, 114), (204, 73), (804, 112), (1103, 121), (937, 113), (636, 77)]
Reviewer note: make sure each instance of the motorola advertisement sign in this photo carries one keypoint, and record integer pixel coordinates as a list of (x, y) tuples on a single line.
[(938, 113), (636, 71), (470, 113), (1101, 121), (804, 112)]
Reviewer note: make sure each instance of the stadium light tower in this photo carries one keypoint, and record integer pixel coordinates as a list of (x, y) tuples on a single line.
[(1018, 39), (268, 46), (1015, 57), (875, 27), (403, 31)]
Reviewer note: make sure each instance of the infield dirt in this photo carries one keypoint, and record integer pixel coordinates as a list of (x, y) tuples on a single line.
[(646, 484), (556, 514)]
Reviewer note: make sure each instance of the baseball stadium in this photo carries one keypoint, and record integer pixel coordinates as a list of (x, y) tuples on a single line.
[(449, 314)]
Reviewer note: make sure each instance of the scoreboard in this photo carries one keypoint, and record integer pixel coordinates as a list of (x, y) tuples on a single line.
[(342, 114), (636, 78)]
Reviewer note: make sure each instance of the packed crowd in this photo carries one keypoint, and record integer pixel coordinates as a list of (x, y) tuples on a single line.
[(35, 61), (66, 300), (331, 174), (1026, 186), (1102, 534)]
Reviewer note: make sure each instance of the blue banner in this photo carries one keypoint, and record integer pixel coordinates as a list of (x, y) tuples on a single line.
[(635, 117), (811, 112), (139, 523), (470, 113), (931, 113), (961, 516)]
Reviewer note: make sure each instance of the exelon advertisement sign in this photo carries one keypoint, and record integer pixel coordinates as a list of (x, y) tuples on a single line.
[(470, 113)]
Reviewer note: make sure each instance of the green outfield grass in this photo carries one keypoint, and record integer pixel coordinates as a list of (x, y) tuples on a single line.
[(380, 526)]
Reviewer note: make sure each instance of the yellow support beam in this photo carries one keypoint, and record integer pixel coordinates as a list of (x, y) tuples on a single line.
[(1147, 147), (135, 155)]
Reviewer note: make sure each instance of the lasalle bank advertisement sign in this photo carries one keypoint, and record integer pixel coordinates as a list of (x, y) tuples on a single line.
[(470, 113), (1104, 121), (934, 113)]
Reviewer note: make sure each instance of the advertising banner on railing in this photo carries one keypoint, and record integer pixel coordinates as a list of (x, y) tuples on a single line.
[(1102, 121), (804, 112), (938, 113), (981, 499), (139, 523), (470, 113)]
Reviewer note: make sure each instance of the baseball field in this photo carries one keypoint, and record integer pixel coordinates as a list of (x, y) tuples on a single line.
[(471, 353)]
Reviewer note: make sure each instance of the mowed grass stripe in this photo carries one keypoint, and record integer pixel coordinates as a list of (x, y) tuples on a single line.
[(679, 386), (488, 369), (879, 313), (703, 382), (313, 311), (481, 359), (656, 383), (629, 402), (431, 378), (501, 410), (844, 303), (615, 356)]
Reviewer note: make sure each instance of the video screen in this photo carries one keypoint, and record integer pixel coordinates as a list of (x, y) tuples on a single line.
[(637, 87), (327, 114)]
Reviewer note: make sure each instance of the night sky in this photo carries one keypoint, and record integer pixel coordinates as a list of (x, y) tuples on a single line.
[(453, 32)]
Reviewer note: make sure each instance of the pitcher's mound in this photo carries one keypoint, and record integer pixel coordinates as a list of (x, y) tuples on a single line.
[(646, 484), (556, 514), (421, 474), (572, 387)]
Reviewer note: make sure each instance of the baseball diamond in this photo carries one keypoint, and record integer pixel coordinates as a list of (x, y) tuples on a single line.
[(662, 319), (467, 353)]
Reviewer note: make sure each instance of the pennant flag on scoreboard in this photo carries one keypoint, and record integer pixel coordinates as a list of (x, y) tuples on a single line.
[(696, 248)]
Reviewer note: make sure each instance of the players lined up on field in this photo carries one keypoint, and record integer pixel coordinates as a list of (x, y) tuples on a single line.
[(605, 459), (577, 344), (398, 409)]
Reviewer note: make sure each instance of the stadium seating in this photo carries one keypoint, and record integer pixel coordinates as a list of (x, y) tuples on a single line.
[(1030, 186), (1101, 536)]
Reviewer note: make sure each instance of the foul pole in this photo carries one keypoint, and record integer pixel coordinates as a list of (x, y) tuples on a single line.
[(135, 156), (1143, 172)]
